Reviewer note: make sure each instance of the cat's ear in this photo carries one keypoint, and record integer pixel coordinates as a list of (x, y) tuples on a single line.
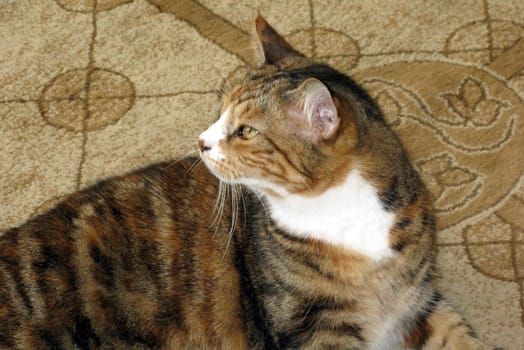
[(274, 46), (314, 106)]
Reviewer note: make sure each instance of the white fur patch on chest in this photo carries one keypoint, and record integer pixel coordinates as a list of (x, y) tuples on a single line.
[(350, 215)]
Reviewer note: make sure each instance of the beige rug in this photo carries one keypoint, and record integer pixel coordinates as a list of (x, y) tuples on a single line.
[(90, 89)]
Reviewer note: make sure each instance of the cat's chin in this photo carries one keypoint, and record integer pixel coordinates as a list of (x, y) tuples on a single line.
[(219, 176), (213, 167), (259, 185), (262, 186)]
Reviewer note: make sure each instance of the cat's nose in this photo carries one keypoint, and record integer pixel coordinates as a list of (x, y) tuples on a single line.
[(202, 146)]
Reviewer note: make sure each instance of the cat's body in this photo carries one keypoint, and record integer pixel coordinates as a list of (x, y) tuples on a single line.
[(327, 243)]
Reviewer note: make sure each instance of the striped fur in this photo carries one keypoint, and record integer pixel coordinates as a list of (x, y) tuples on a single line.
[(150, 261)]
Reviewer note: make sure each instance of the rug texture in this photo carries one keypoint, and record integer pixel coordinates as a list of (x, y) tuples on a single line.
[(91, 89)]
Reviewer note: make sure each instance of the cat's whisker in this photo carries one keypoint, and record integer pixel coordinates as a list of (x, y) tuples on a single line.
[(217, 202), (193, 166), (308, 187), (182, 157), (241, 187), (223, 202), (237, 202), (228, 192), (261, 200), (234, 202), (243, 202), (220, 206), (234, 216)]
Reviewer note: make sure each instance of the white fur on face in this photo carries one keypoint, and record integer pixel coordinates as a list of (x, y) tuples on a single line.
[(213, 135), (350, 215)]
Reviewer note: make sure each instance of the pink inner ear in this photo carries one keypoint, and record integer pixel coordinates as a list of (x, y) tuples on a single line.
[(325, 113), (314, 112), (320, 110), (328, 120)]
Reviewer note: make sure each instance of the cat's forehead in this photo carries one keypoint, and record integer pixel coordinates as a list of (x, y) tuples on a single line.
[(258, 87), (237, 96), (269, 86)]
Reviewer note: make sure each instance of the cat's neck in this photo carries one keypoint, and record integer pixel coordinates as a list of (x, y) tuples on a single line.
[(349, 215)]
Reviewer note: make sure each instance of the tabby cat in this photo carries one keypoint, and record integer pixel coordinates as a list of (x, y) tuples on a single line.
[(327, 241)]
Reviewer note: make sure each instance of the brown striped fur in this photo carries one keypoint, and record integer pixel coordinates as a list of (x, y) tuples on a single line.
[(148, 260)]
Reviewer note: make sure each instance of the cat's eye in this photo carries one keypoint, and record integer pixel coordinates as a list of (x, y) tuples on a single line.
[(246, 132)]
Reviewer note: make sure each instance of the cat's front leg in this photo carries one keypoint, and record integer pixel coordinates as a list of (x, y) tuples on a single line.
[(449, 331)]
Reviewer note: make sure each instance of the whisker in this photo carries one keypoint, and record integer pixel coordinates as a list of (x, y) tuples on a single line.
[(243, 203), (234, 208), (217, 202), (225, 197), (234, 216), (261, 200), (220, 201), (193, 166), (182, 157), (308, 187)]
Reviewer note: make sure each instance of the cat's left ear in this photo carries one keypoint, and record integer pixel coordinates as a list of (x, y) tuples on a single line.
[(274, 46), (314, 106)]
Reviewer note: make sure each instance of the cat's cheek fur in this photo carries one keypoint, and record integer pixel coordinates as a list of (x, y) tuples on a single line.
[(349, 215)]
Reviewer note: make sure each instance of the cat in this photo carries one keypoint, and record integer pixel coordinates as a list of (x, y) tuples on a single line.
[(327, 240)]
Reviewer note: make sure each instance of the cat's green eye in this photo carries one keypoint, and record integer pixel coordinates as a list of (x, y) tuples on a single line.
[(247, 132)]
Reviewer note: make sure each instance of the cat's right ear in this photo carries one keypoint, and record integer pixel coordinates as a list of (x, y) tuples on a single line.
[(314, 107), (274, 46)]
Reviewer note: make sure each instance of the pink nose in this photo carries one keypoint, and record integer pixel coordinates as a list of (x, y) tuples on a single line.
[(201, 146)]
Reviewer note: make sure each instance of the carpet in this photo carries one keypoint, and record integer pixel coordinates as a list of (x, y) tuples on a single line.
[(91, 89)]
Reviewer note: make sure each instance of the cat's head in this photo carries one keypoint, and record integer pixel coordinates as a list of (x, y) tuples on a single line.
[(288, 126)]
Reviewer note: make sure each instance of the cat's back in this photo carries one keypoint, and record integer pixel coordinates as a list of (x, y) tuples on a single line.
[(134, 259)]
